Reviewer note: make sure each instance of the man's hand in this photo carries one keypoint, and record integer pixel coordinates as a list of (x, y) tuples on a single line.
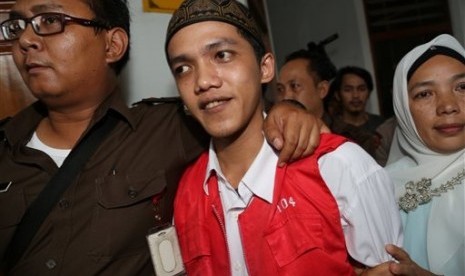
[(293, 131), (405, 265), (362, 270)]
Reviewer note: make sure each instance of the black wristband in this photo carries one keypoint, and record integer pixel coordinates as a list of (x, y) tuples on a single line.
[(295, 103)]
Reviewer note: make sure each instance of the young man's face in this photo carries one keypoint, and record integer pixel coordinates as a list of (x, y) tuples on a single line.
[(218, 76), (353, 93), (56, 66), (436, 93), (295, 82)]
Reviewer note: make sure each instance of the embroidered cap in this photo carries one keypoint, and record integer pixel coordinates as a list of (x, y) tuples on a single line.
[(228, 11)]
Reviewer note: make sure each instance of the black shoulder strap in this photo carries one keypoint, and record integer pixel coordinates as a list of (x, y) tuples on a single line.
[(46, 200)]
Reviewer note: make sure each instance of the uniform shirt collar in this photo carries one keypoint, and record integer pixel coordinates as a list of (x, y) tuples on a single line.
[(30, 117)]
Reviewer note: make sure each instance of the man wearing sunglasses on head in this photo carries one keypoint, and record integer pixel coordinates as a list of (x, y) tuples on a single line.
[(82, 176)]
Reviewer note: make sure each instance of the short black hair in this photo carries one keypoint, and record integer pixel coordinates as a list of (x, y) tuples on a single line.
[(113, 13), (362, 73), (319, 65)]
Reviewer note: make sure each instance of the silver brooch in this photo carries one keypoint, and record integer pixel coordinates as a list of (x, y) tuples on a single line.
[(420, 192)]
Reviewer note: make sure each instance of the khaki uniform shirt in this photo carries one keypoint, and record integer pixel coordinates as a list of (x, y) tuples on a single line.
[(99, 225)]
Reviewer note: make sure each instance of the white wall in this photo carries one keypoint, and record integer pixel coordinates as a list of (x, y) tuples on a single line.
[(147, 73)]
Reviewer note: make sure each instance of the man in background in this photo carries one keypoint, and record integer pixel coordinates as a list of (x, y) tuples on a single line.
[(305, 77), (349, 92)]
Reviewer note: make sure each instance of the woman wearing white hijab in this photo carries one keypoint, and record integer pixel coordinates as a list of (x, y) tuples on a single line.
[(427, 158)]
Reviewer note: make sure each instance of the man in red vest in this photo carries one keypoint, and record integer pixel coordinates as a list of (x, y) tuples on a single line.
[(236, 211)]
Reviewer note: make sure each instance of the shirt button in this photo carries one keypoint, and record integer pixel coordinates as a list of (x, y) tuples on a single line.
[(132, 193), (64, 203), (51, 264)]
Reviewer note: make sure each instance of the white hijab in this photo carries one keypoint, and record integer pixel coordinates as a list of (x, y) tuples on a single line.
[(411, 160)]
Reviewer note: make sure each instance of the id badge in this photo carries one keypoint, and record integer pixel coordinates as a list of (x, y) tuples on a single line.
[(164, 249)]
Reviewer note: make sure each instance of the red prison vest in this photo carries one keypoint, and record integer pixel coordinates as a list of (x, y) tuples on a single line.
[(300, 233)]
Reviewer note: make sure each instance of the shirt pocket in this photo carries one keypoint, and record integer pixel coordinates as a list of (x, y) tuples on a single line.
[(14, 207), (121, 190), (124, 213), (293, 237)]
